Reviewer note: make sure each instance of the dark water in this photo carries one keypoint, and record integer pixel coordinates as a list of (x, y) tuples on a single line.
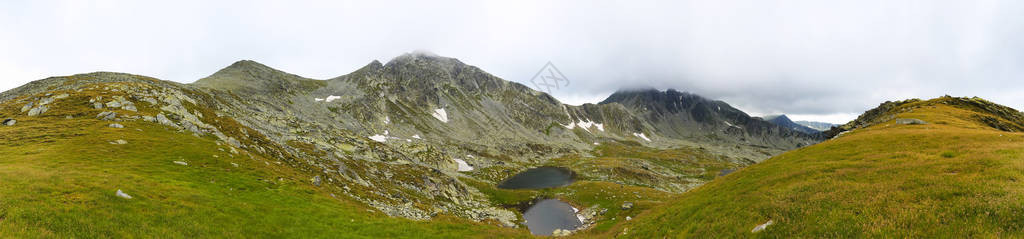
[(550, 214), (541, 177)]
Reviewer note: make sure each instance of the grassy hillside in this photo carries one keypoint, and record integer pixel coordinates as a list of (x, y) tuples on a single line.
[(58, 178), (957, 176)]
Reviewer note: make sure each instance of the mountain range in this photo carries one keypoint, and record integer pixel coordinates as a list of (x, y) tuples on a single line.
[(418, 142)]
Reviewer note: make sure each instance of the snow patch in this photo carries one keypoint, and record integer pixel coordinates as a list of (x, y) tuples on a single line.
[(463, 166), (416, 136), (441, 115), (585, 125), (387, 120), (379, 138), (761, 227), (328, 99), (642, 136), (578, 215)]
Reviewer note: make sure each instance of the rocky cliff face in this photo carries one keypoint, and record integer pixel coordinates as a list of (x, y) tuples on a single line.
[(400, 136)]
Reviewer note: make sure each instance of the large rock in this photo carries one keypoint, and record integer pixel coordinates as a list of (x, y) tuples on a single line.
[(37, 110), (908, 121), (9, 122), (106, 115)]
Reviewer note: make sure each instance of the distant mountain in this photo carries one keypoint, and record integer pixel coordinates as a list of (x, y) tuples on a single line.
[(690, 116), (819, 126), (784, 121)]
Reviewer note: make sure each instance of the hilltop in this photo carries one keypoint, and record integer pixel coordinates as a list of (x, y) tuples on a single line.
[(946, 167)]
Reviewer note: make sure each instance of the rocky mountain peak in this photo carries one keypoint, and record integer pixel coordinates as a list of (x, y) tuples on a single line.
[(253, 77)]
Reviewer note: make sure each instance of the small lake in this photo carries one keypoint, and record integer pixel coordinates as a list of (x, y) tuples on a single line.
[(549, 214), (540, 177)]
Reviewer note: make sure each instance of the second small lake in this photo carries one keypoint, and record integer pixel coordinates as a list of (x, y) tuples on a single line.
[(549, 214)]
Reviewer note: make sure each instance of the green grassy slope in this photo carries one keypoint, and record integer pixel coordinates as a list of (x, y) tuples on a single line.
[(58, 178), (954, 177)]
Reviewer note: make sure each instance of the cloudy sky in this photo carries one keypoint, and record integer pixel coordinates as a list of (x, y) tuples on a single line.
[(814, 59)]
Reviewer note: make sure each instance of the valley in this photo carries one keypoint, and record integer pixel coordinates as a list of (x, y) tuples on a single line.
[(426, 146)]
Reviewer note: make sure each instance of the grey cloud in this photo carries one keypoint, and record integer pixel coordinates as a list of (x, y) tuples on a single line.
[(797, 57)]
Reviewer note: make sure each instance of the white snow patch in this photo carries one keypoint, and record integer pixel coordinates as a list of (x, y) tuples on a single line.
[(332, 98), (463, 166), (578, 216), (642, 136), (595, 143), (761, 227), (441, 115), (585, 125), (318, 99), (727, 123), (379, 138), (387, 120), (416, 136)]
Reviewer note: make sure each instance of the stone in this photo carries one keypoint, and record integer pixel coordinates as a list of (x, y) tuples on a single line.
[(121, 194), (627, 205), (316, 180), (97, 105), (130, 107), (27, 107), (45, 101), (561, 232), (908, 121), (162, 119), (149, 118), (114, 104), (9, 122), (119, 126), (120, 141), (61, 96), (761, 227), (37, 110), (106, 115), (181, 163), (234, 164)]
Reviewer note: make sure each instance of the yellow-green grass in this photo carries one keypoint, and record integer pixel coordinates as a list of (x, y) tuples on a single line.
[(953, 177), (58, 178)]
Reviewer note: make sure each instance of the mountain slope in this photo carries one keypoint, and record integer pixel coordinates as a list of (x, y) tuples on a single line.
[(955, 175), (421, 137), (61, 170)]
